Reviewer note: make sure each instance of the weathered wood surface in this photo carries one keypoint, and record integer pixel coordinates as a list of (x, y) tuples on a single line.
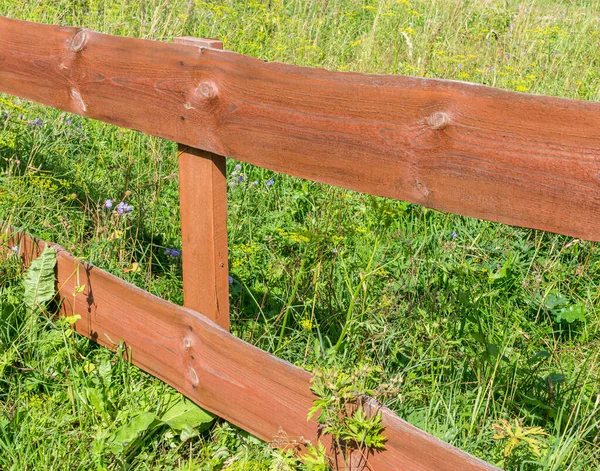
[(237, 381), (519, 159), (203, 207)]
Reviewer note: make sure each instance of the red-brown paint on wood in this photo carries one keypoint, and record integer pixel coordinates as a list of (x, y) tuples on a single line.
[(520, 159), (203, 202), (231, 378)]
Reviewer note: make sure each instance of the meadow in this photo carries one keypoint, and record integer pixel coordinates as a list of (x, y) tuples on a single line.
[(490, 333)]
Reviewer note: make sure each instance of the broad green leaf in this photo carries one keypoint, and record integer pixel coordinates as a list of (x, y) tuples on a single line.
[(541, 355), (572, 313), (556, 378), (554, 300), (96, 400), (72, 319), (104, 370), (187, 432), (184, 413), (40, 280), (129, 432)]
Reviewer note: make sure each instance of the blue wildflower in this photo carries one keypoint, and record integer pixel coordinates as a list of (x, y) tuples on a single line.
[(254, 183), (240, 179), (453, 235), (237, 169), (15, 249), (123, 208), (36, 122), (173, 252), (230, 279), (107, 204), (270, 182), (68, 121)]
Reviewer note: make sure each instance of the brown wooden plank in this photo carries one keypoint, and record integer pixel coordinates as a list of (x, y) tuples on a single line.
[(203, 206), (509, 157), (251, 388)]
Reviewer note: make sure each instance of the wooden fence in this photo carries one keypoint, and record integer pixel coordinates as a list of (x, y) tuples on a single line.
[(526, 160)]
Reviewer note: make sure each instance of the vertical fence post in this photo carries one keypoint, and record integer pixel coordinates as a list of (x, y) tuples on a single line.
[(203, 200)]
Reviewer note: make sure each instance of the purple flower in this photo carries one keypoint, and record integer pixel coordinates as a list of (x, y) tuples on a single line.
[(68, 121), (254, 183), (173, 252), (230, 279), (508, 56), (21, 117), (237, 169), (123, 208), (270, 182), (107, 204), (240, 179), (453, 235), (36, 122), (460, 66), (15, 249)]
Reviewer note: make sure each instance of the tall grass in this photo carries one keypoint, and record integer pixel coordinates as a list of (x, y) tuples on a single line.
[(469, 314)]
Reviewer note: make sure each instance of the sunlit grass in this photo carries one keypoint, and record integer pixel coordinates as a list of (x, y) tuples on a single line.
[(465, 311)]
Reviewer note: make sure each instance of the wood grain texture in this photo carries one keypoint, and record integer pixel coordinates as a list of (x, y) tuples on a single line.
[(250, 388), (514, 158), (203, 206)]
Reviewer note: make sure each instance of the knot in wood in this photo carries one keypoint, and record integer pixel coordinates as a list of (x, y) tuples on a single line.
[(439, 120), (79, 41), (207, 90)]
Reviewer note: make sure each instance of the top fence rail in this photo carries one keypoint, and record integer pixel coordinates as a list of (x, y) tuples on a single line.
[(531, 161)]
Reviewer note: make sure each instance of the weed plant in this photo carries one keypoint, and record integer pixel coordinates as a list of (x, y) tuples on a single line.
[(492, 330)]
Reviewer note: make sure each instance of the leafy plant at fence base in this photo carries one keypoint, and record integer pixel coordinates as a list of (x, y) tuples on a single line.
[(343, 410), (521, 442), (182, 416), (40, 281)]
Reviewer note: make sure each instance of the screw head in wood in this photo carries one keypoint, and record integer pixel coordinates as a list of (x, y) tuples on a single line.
[(79, 41), (439, 120)]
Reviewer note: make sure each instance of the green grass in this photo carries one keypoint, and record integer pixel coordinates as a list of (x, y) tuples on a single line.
[(471, 325)]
